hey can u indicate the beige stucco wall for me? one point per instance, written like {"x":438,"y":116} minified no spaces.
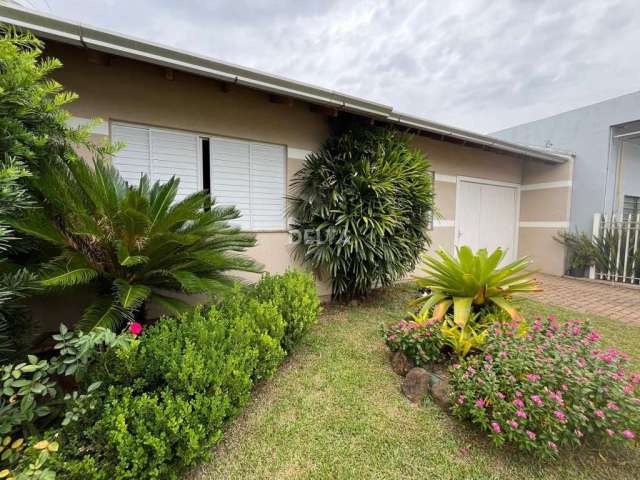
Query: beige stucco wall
{"x":131,"y":91}
{"x":545,"y":207}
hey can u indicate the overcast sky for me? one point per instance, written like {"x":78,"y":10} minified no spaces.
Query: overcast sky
{"x":477,"y":64}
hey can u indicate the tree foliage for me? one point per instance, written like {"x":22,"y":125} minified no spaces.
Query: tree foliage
{"x":362,"y":205}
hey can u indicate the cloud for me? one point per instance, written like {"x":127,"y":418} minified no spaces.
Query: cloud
{"x":482,"y":65}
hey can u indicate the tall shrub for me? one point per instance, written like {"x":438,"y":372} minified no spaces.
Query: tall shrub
{"x":33,"y":134}
{"x":362,"y":205}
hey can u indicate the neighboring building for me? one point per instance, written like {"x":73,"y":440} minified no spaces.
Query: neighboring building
{"x":605,"y":138}
{"x":244,"y":134}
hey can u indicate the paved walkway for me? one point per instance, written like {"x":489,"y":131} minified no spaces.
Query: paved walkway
{"x":616,"y":302}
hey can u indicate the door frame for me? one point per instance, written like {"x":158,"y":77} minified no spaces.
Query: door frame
{"x":484,"y":181}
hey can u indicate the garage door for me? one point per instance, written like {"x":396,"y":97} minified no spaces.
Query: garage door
{"x":486,"y":216}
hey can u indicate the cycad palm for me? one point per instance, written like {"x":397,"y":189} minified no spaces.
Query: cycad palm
{"x":135,"y":244}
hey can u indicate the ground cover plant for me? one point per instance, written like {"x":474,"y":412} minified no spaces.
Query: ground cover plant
{"x":362,"y":205}
{"x":555,"y":387}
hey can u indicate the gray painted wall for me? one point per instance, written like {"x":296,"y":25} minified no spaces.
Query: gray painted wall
{"x":587,"y":133}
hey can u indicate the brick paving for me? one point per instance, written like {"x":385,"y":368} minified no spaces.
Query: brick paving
{"x":620,"y":303}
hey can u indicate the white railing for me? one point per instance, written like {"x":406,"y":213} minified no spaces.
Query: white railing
{"x":617,"y":238}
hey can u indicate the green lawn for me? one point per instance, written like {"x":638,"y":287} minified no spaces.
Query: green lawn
{"x":334,"y":411}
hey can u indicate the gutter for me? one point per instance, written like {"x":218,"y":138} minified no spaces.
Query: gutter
{"x":75,"y":33}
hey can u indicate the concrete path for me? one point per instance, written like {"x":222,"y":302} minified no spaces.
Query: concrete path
{"x":620,"y":303}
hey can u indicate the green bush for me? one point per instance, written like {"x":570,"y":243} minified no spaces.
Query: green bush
{"x":362,"y":205}
{"x":421,"y":342}
{"x":170,"y":396}
{"x":295,"y":296}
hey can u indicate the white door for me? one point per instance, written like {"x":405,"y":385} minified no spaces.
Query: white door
{"x":486,"y":216}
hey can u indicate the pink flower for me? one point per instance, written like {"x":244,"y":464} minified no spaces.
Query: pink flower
{"x":628,"y":434}
{"x":635,"y":378}
{"x":135,"y":328}
{"x":612,"y":406}
{"x":480,"y":403}
{"x":560,"y":415}
{"x":579,"y":434}
{"x":553,"y":446}
{"x":456,"y":366}
{"x":512,"y":423}
{"x":531,"y":435}
{"x":533,"y":377}
{"x":518,"y":403}
{"x":461,"y":400}
{"x":593,"y":336}
{"x":496,"y":427}
{"x":392,"y":338}
{"x":500,"y":395}
{"x":521,"y":414}
{"x":518,"y":393}
{"x":488,"y":358}
{"x":599,"y":413}
{"x":502,"y":354}
{"x":537,"y":400}
{"x":610,"y":432}
{"x":565,"y":387}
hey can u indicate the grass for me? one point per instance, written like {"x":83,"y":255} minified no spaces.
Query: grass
{"x":334,"y":411}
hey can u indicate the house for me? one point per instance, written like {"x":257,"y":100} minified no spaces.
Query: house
{"x":605,"y":138}
{"x":243,"y":134}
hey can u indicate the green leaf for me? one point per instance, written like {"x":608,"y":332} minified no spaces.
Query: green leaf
{"x":131,"y":296}
{"x":78,"y":276}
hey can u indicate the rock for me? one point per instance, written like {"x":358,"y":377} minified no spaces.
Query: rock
{"x":400,"y":363}
{"x":440,"y":391}
{"x":416,"y":384}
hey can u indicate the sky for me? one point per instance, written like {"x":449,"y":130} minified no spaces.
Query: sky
{"x":482,"y":65}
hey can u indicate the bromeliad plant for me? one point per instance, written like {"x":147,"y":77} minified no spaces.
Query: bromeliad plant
{"x":132,"y":244}
{"x":468,"y":292}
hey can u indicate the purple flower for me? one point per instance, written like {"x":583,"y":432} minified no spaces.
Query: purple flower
{"x":628,"y":434}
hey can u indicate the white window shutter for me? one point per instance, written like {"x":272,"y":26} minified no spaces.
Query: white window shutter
{"x":160,"y":154}
{"x":176,"y":153}
{"x":230,"y":185}
{"x":267,"y":186}
{"x":134,"y":159}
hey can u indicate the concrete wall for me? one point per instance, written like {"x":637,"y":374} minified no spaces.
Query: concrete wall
{"x":587,"y":133}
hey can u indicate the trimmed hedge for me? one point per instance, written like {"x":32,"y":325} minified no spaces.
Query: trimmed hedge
{"x":295,"y":296}
{"x":169,"y":397}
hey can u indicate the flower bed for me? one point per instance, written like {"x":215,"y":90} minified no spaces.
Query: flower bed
{"x":550,"y":388}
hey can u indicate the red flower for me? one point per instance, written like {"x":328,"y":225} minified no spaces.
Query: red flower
{"x":135,"y":328}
